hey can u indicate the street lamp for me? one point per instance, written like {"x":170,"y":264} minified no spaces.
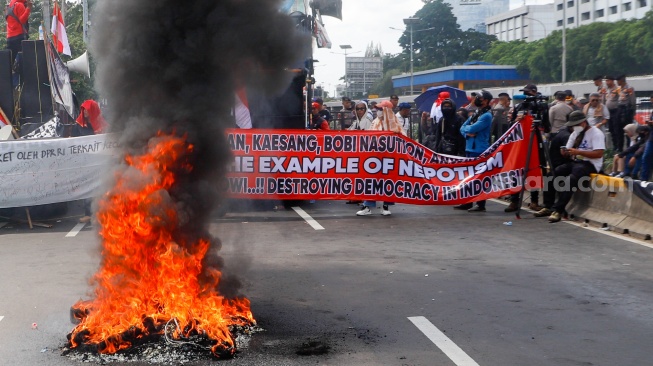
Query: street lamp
{"x":410,"y":22}
{"x":542,"y":24}
{"x":564,"y":42}
{"x":346,"y":47}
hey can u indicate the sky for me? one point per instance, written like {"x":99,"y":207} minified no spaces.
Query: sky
{"x":364,"y":22}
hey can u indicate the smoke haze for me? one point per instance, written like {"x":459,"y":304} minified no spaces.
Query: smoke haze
{"x":174,"y":66}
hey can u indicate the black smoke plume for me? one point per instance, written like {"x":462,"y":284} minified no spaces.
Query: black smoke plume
{"x":174,"y":66}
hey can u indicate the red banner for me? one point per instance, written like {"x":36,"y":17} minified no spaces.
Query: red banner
{"x":375,"y":165}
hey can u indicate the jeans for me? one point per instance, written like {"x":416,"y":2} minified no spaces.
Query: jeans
{"x":470,"y":154}
{"x":647,"y":161}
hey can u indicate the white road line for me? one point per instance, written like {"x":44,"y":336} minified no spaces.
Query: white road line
{"x":457,"y":355}
{"x":76,"y":230}
{"x":314,"y":224}
{"x":590,"y":228}
{"x":1,"y":317}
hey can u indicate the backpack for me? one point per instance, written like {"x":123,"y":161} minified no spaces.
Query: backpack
{"x":9,"y":12}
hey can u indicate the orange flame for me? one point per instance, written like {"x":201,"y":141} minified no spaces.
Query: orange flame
{"x":149,"y":276}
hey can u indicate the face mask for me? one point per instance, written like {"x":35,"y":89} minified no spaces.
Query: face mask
{"x":578,"y":129}
{"x":379,"y":114}
{"x":478,"y":102}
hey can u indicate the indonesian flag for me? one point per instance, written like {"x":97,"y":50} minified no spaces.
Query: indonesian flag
{"x":59,"y":37}
{"x":241,"y":109}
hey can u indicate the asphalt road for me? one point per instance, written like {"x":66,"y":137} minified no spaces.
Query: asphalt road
{"x":531,"y":294}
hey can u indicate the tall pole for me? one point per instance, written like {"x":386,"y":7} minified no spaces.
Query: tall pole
{"x":411,"y":59}
{"x":564,"y":42}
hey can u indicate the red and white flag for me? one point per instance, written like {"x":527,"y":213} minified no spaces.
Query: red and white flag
{"x":59,"y":37}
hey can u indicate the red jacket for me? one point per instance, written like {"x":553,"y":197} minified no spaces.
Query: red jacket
{"x":14,"y":28}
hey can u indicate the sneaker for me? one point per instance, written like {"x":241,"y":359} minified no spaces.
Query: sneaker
{"x":534,"y":206}
{"x":543,"y":212}
{"x":476,"y":209}
{"x":620,"y":175}
{"x":386,"y":211}
{"x":85,"y":219}
{"x":364,"y":212}
{"x":512,"y":207}
{"x":465,"y":206}
{"x":555,"y":217}
{"x":613,"y":174}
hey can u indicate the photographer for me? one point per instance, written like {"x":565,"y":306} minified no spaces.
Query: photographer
{"x":535,"y":105}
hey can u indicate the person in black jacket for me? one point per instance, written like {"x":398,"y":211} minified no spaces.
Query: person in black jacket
{"x":447,"y":131}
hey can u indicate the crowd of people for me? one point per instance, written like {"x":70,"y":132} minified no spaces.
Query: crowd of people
{"x":575,"y":133}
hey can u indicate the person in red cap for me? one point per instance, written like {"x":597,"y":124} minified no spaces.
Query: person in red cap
{"x":317,"y":121}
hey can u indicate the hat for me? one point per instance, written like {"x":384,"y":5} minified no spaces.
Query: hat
{"x":385,"y":104}
{"x":576,"y":118}
{"x":318,"y":100}
{"x":484,"y":94}
{"x":569,"y":93}
{"x":505,"y":95}
{"x":530,"y":88}
{"x":404,"y":105}
{"x":346,"y":99}
{"x":619,"y":77}
{"x":583,"y":101}
{"x":316,"y":105}
{"x":597,"y":77}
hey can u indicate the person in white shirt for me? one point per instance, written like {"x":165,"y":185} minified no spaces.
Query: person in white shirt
{"x":403,"y":117}
{"x":585,"y":147}
{"x":597,"y":113}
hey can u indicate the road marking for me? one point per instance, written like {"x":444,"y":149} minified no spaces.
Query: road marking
{"x":1,"y":317}
{"x":314,"y":224}
{"x":457,"y":355}
{"x":2,"y":224}
{"x":596,"y":230}
{"x":76,"y":230}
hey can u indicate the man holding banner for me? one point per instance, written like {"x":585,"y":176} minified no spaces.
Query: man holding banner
{"x":476,"y":131}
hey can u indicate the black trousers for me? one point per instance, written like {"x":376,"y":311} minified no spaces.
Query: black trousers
{"x":616,"y":133}
{"x":572,"y":173}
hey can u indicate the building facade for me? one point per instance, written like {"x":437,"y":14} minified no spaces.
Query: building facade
{"x":361,"y":73}
{"x":575,"y":13}
{"x":472,"y":13}
{"x":526,"y":23}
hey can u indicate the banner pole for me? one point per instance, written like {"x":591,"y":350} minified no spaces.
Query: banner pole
{"x":526,"y":169}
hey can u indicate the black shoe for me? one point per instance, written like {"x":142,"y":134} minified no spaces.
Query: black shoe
{"x":476,"y":209}
{"x":465,"y":206}
{"x":512,"y":207}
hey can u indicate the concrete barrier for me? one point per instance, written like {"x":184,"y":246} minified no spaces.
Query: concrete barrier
{"x":613,"y":205}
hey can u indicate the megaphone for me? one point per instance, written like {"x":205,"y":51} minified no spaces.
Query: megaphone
{"x":80,"y":64}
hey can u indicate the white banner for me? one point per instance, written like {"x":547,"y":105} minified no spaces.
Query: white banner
{"x":37,"y":172}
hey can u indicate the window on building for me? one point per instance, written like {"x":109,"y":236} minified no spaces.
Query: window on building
{"x":570,"y":3}
{"x":559,"y":23}
{"x":641,"y":3}
{"x":626,"y":6}
{"x":613,"y":9}
{"x":570,"y":20}
{"x":559,"y":7}
{"x":598,"y":13}
{"x":585,"y":16}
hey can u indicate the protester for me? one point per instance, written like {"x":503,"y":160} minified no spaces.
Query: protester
{"x":628,"y":162}
{"x":612,"y":102}
{"x":626,"y":109}
{"x":17,"y":15}
{"x":403,"y":116}
{"x":317,"y":122}
{"x":385,"y":121}
{"x":585,"y":146}
{"x":394,"y":99}
{"x":436,"y":112}
{"x":89,"y":122}
{"x":362,"y":119}
{"x":324,"y":112}
{"x":558,"y":140}
{"x":647,"y":157}
{"x":346,"y":114}
{"x":500,"y":123}
{"x":476,"y":131}
{"x":448,"y":139}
